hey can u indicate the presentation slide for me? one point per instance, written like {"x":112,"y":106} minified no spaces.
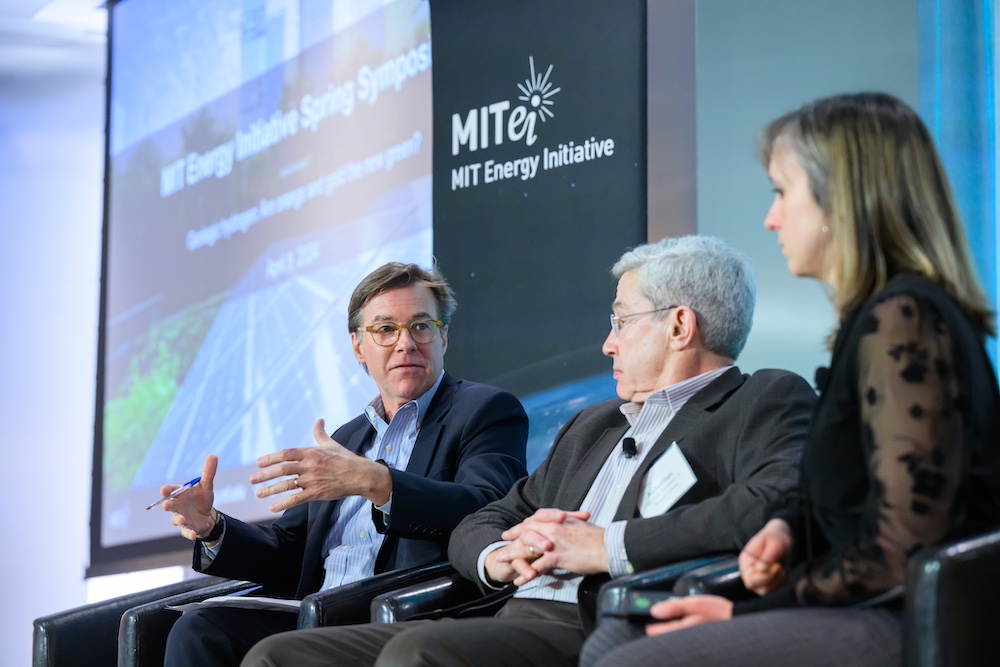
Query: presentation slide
{"x":263,"y":158}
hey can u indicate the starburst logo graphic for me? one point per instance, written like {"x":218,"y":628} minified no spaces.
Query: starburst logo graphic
{"x":506,"y":120}
{"x":537,"y":91}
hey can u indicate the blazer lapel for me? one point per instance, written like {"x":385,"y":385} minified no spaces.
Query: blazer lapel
{"x":585,"y":472}
{"x":430,"y":428}
{"x":323,"y":514}
{"x":689,"y":418}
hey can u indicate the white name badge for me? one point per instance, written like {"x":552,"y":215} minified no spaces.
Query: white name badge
{"x":666,"y":481}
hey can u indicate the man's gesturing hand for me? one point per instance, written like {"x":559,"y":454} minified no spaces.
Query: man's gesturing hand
{"x":191,"y":511}
{"x":327,"y":472}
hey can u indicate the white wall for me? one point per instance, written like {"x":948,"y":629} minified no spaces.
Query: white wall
{"x":51,"y":174}
{"x":758,"y":60}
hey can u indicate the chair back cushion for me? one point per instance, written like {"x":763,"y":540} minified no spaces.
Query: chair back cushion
{"x":953,"y":605}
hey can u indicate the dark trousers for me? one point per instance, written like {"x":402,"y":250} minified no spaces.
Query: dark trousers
{"x":221,"y":636}
{"x":524,"y":632}
{"x":814,"y":636}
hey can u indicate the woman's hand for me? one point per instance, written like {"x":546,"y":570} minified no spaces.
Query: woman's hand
{"x":686,"y":612}
{"x":762,"y":559}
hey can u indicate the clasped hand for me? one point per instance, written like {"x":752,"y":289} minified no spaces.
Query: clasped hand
{"x":549,"y":539}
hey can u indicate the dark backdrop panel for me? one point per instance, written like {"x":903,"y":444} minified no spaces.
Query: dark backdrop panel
{"x":529,"y":253}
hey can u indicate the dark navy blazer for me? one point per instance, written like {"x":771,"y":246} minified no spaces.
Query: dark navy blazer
{"x":469,"y":451}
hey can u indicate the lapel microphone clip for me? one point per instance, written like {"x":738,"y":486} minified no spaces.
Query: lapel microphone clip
{"x":628,"y":447}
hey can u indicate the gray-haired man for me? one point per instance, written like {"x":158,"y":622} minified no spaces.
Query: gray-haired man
{"x":684,"y":464}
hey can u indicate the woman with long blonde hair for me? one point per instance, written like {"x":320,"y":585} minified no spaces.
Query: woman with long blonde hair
{"x":904,"y":445}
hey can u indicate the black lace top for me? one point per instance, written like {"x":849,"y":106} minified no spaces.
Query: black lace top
{"x":903,"y":450}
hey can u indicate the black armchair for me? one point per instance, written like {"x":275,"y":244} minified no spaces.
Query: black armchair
{"x":449,"y":595}
{"x":142,"y":629}
{"x":131,"y":631}
{"x":88,"y":635}
{"x":453,"y":596}
{"x":352,"y":603}
{"x":613,"y":599}
{"x":951,"y":605}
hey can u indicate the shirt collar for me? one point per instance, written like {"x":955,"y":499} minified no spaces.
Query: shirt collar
{"x":675,"y":396}
{"x":375,"y":412}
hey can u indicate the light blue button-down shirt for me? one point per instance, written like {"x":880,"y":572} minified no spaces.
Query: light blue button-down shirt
{"x":353,"y":542}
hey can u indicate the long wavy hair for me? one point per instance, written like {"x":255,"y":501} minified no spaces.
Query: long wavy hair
{"x":874,"y":170}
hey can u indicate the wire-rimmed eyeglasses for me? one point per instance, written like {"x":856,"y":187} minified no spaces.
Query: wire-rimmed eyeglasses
{"x":618,"y":320}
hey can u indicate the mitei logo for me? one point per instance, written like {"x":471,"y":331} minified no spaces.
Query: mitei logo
{"x":474,"y":131}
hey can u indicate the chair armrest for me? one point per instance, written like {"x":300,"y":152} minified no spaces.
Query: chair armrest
{"x":448,"y":596}
{"x":612,"y":600}
{"x":719,"y":578}
{"x":952,"y":603}
{"x":142,"y":634}
{"x":58,"y":637}
{"x":351,"y":603}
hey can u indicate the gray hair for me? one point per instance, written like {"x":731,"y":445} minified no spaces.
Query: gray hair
{"x":705,"y":274}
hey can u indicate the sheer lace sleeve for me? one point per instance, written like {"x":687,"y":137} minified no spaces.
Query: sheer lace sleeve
{"x":912,"y":435}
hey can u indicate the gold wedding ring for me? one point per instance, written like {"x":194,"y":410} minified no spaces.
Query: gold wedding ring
{"x":296,"y":483}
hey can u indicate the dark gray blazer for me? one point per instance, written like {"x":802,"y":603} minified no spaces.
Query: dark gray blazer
{"x":742,"y":436}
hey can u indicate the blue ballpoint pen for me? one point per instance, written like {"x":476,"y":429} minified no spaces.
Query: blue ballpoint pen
{"x":176,"y":492}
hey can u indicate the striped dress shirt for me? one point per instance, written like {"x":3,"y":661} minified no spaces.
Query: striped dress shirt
{"x":647,"y":422}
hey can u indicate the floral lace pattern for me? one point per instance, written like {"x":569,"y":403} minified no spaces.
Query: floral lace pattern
{"x":912,"y":438}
